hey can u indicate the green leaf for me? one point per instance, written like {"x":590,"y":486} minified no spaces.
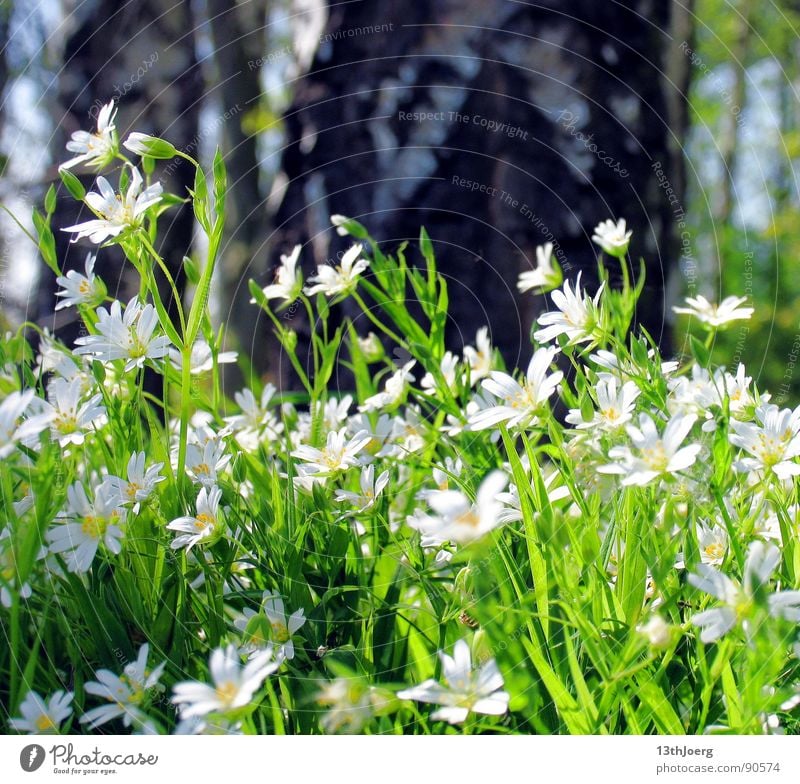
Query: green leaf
{"x":72,"y":184}
{"x":47,"y":242}
{"x":50,"y":200}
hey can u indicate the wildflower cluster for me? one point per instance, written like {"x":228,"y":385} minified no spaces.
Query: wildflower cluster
{"x":435,"y":548}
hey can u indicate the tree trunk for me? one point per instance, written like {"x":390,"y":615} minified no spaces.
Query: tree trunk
{"x":538,"y":124}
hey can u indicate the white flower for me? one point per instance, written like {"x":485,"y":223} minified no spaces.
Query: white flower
{"x":125,"y":693}
{"x":545,"y":276}
{"x":713,"y":543}
{"x":332,"y":280}
{"x":140,"y":482}
{"x":521,"y":403}
{"x":653,"y":456}
{"x":393,"y":390}
{"x":80,"y":289}
{"x":578,"y":316}
{"x":282,"y":627}
{"x":94,"y":522}
{"x":479,"y":358}
{"x":773,"y":443}
{"x":256,"y":421}
{"x":116,"y":214}
{"x":739,"y":598}
{"x":448,"y":367}
{"x":371,"y":488}
{"x":351,"y":704}
{"x":288,"y":279}
{"x":460,"y":520}
{"x":205,"y":461}
{"x":612,"y":237}
{"x":657,"y":631}
{"x":9,"y":573}
{"x":737,"y":390}
{"x":233,"y":685}
{"x":338,"y":454}
{"x":716,"y":315}
{"x":205,"y":527}
{"x":338,"y":222}
{"x":465,"y":690}
{"x":202,"y":358}
{"x":69,"y":419}
{"x":40,"y":717}
{"x":95,"y":149}
{"x":129,"y":336}
{"x":615,"y":405}
{"x":12,"y":431}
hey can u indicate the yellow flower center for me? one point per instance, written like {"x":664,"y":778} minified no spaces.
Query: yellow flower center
{"x":715,"y":550}
{"x":280,"y":632}
{"x":656,"y":457}
{"x":132,"y":489}
{"x":204,"y":521}
{"x":94,"y":526}
{"x":45,"y":723}
{"x":469,"y":518}
{"x":226,"y":692}
{"x":66,"y":423}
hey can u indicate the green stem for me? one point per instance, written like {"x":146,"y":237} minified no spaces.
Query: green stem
{"x":378,"y":323}
{"x":154,"y":253}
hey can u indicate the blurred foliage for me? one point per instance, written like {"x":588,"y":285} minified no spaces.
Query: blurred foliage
{"x":752,"y":248}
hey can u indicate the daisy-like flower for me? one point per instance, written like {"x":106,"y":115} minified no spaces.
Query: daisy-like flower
{"x":255,"y":422}
{"x":129,"y":335}
{"x":653,"y":455}
{"x":68,"y":417}
{"x":202,"y":358}
{"x":615,"y":405}
{"x":126,"y":693}
{"x":714,"y":316}
{"x":612,"y":237}
{"x":393,"y":390}
{"x":331,"y":280}
{"x":772,"y":443}
{"x":80,"y":289}
{"x":282,"y":626}
{"x":466,"y":689}
{"x":93,"y":522}
{"x":737,"y":390}
{"x":739,"y":599}
{"x":519,"y":404}
{"x":457,"y":518}
{"x":288,"y":279}
{"x":713,"y":543}
{"x":205,"y":527}
{"x":233,"y":685}
{"x":116,"y":213}
{"x":350,"y":703}
{"x":479,"y":357}
{"x":577,"y":317}
{"x":141,"y":482}
{"x":371,"y":488}
{"x":448,"y":367}
{"x":43,"y":717}
{"x":338,"y":454}
{"x":12,"y":430}
{"x":95,"y":149}
{"x":205,"y":461}
{"x":546,"y":275}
